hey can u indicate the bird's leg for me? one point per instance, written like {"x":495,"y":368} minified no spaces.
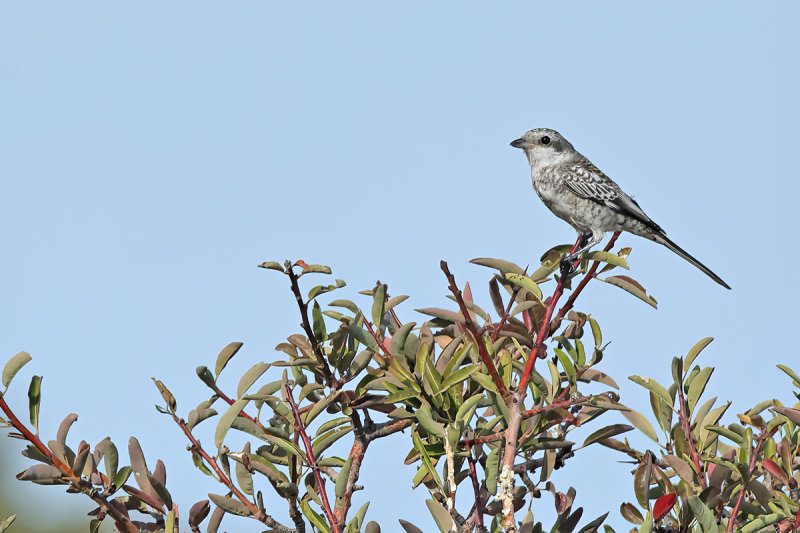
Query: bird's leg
{"x":587,"y":240}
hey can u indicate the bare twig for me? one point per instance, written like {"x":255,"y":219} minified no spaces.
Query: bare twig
{"x":487,"y":360}
{"x":326,"y":506}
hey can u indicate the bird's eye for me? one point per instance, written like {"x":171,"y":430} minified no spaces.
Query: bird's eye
{"x":545,"y":140}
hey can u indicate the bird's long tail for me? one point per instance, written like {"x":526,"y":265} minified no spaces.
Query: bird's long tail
{"x":663,"y":239}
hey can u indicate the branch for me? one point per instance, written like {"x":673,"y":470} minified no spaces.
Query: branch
{"x":326,"y":506}
{"x":544,"y":328}
{"x":326,"y":371}
{"x":687,"y":430}
{"x":356,"y":457}
{"x":473,"y":474}
{"x":476,"y":335}
{"x":762,"y":439}
{"x":574,"y":296}
{"x":121,"y":520}
{"x":386,"y":428}
{"x":505,"y":481}
{"x":223,"y":478}
{"x":525,"y":415}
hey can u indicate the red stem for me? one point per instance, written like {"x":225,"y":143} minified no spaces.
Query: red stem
{"x":120,"y":520}
{"x":753,"y":456}
{"x":473,"y":474}
{"x":476,"y":335}
{"x":589,"y":275}
{"x":544,"y":328}
{"x":326,"y":506}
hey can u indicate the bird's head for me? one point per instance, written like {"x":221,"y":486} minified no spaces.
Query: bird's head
{"x":544,"y":145}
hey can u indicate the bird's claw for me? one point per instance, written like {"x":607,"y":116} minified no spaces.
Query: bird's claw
{"x":567,"y":265}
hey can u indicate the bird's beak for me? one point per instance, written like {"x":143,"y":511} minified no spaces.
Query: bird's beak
{"x":519,"y":143}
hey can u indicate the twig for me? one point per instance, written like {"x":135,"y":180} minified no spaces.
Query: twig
{"x":356,"y":457}
{"x":574,"y":296}
{"x":386,"y":428}
{"x":544,"y":328}
{"x":525,"y":415}
{"x":326,"y":371}
{"x":473,"y":474}
{"x":326,"y":506}
{"x":505,"y":480}
{"x":687,"y":430}
{"x":121,"y":520}
{"x":762,"y":439}
{"x":375,"y":336}
{"x":476,"y":335}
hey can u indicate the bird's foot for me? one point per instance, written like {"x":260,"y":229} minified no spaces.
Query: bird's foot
{"x":567,"y":265}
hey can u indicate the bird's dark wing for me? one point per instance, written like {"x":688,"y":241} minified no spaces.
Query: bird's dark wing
{"x":588,"y":181}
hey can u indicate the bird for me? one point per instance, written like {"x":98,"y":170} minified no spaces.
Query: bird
{"x":578,"y":192}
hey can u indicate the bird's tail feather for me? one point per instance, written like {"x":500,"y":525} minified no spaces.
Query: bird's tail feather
{"x":663,"y":239}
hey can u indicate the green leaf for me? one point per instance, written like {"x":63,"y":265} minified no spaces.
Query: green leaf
{"x":243,"y":476}
{"x":314,"y":517}
{"x":444,"y":314}
{"x":230,"y":505}
{"x":318,"y":325}
{"x":654,"y":387}
{"x":498,"y":264}
{"x":341,"y":481}
{"x":322,"y":289}
{"x":641,"y":423}
{"x":697,"y":386}
{"x":526,"y":283}
{"x":378,"y":304}
{"x":458,"y":376}
{"x":632,"y":286}
{"x":34,"y":400}
{"x":347,"y":304}
{"x":467,"y":409}
{"x":363,"y":337}
{"x":250,"y":377}
{"x":225,"y":356}
{"x":440,"y":515}
{"x":425,"y":419}
{"x":13,"y":366}
{"x":272,"y":265}
{"x":7,"y":523}
{"x":227,"y":419}
{"x":757,"y":524}
{"x":606,"y":432}
{"x":725,"y":432}
{"x":426,"y":459}
{"x":326,"y":440}
{"x":608,"y":257}
{"x":492,"y":470}
{"x":695,"y":351}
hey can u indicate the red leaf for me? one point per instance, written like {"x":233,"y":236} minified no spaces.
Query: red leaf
{"x":663,"y":506}
{"x":776,"y":471}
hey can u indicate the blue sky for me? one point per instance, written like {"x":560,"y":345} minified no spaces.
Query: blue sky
{"x":152,"y":154}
